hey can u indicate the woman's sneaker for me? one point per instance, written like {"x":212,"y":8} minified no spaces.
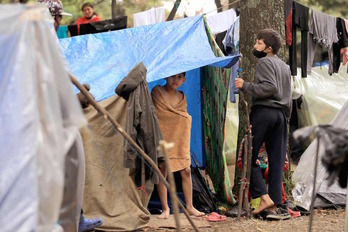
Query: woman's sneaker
{"x":279,"y":214}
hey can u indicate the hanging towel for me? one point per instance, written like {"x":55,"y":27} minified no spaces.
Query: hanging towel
{"x":221,"y":21}
{"x":322,"y":31}
{"x":175,"y":124}
{"x":154,"y":15}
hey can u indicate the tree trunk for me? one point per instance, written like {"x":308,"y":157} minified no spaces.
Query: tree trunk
{"x":254,"y":16}
{"x":173,"y":11}
{"x":113,"y":9}
{"x":218,"y":5}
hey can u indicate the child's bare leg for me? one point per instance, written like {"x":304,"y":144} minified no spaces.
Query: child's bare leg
{"x":266,"y":203}
{"x":186,"y":180}
{"x":162,"y":193}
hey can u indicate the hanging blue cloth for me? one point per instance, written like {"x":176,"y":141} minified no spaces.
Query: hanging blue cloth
{"x":62,"y":32}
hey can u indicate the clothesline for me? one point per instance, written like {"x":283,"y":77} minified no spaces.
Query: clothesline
{"x":232,"y":3}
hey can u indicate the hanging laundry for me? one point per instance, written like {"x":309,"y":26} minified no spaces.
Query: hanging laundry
{"x":98,"y":27}
{"x":341,"y":47}
{"x":221,"y":21}
{"x":154,"y":15}
{"x":288,"y":20}
{"x":231,"y":46}
{"x":231,"y":40}
{"x":62,"y":32}
{"x":300,"y":17}
{"x":322,"y":31}
{"x":104,"y":26}
{"x":73,"y":30}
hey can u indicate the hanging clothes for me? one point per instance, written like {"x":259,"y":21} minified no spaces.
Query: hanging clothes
{"x":231,"y":46}
{"x":154,"y":15}
{"x":300,"y":16}
{"x":322,"y":31}
{"x":288,"y":20}
{"x":62,"y":32}
{"x":341,"y":46}
{"x":142,"y":123}
{"x":344,"y":51}
{"x":104,"y":26}
{"x":221,"y":21}
{"x":73,"y":30}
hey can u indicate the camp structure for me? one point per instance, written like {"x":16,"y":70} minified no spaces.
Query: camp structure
{"x":320,"y":99}
{"x":41,"y":117}
{"x":103,"y":60}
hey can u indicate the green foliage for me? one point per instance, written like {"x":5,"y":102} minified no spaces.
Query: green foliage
{"x":337,"y":8}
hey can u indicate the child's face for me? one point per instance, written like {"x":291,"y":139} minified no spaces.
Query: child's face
{"x":88,"y":11}
{"x":260,"y":45}
{"x":176,"y":81}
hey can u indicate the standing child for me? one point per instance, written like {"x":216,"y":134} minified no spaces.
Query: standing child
{"x":175,"y":124}
{"x":270,"y":112}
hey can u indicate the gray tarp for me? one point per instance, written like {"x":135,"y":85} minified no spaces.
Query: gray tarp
{"x":304,"y":173}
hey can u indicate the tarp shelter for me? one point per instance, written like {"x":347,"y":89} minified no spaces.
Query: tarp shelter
{"x":40,"y":118}
{"x":324,"y":100}
{"x":104,"y":59}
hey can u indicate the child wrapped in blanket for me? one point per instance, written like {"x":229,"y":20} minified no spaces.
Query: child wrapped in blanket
{"x":175,"y":124}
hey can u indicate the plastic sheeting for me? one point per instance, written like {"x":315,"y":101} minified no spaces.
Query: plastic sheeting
{"x":39,"y":117}
{"x":323,"y":96}
{"x":168,"y":48}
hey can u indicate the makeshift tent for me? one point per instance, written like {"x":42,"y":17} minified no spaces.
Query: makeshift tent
{"x":322,"y":97}
{"x":39,"y":120}
{"x":104,"y":59}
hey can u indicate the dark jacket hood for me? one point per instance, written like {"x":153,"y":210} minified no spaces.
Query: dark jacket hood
{"x":131,"y":81}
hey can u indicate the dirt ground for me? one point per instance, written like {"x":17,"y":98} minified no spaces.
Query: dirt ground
{"x":324,"y":220}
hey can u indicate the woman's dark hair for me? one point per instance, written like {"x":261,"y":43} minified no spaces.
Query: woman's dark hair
{"x":271,"y":38}
{"x":88,"y":4}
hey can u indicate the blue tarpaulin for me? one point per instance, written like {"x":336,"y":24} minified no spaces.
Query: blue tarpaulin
{"x":168,"y":48}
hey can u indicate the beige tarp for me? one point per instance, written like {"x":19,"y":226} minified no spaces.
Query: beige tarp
{"x":109,"y":191}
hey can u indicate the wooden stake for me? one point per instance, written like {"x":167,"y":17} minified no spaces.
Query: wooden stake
{"x":164,"y":146}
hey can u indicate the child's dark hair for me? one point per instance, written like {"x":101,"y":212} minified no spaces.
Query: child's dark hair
{"x":271,"y":38}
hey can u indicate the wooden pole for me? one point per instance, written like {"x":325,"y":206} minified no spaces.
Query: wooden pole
{"x":242,"y":180}
{"x":164,"y":148}
{"x":346,"y":216}
{"x":248,"y":172}
{"x":173,"y":11}
{"x":314,"y":184}
{"x":118,"y":127}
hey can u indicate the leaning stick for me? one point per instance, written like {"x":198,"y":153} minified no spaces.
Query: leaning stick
{"x":242,"y":180}
{"x":248,"y":172}
{"x":314,"y":182}
{"x":164,"y":148}
{"x":118,"y":127}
